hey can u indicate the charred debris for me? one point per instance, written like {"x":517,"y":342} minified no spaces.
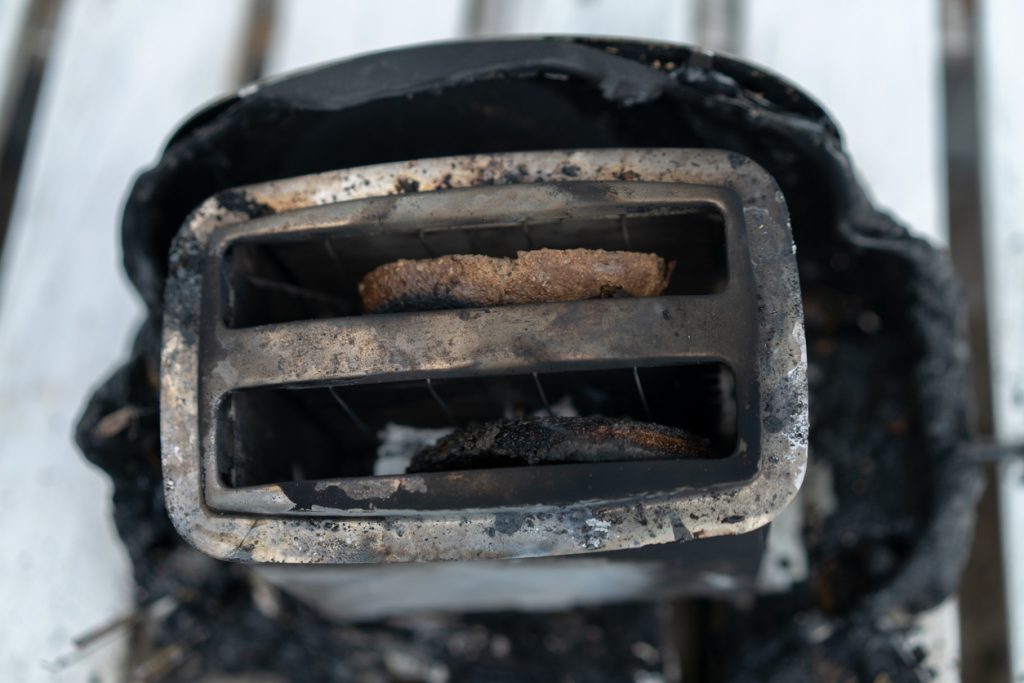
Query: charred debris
{"x":887,"y":365}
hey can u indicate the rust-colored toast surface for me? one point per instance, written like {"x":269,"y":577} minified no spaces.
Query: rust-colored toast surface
{"x":538,"y":276}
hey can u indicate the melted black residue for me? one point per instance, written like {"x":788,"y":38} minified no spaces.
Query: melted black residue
{"x":407,"y":185}
{"x":239,"y":200}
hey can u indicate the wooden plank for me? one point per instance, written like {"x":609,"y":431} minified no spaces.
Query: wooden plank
{"x":121,"y":74}
{"x":316,"y":31}
{"x":1001,"y":100}
{"x":12,"y":19}
{"x":876,"y":66}
{"x":673,"y":20}
{"x":24,"y":47}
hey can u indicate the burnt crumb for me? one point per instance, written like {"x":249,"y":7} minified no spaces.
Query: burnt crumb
{"x":404,"y":185}
{"x":508,"y":524}
{"x":738,"y":160}
{"x":571,"y":170}
{"x":240,"y":201}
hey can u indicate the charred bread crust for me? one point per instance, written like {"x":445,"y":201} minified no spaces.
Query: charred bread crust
{"x":538,"y":276}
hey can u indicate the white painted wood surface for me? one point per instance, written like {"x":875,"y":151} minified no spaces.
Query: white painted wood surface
{"x":122,"y":73}
{"x":314,"y":31}
{"x":1000,"y":80}
{"x":876,"y":65}
{"x":673,"y":20}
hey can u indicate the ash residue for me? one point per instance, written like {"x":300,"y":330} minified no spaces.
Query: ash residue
{"x":886,"y":353}
{"x":292,"y":642}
